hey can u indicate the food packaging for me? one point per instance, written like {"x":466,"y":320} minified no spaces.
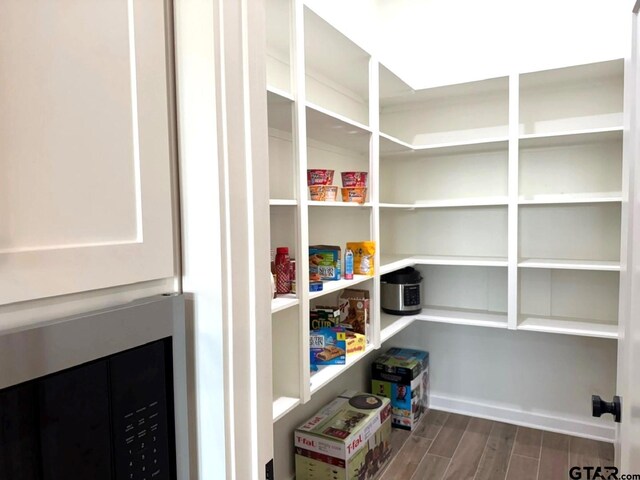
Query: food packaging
{"x":354,"y":179}
{"x":354,"y":310}
{"x":356,"y":343}
{"x":354,"y":194}
{"x":315,"y":286}
{"x":317,"y":176}
{"x":363,"y":257}
{"x":324,"y":317}
{"x":324,"y":262}
{"x":323,"y":193}
{"x":328,"y":346}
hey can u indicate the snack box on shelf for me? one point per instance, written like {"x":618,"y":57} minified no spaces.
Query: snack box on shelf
{"x":354,"y":310}
{"x":328,"y":346}
{"x":403,"y":376}
{"x":349,"y":439}
{"x":324,"y":262}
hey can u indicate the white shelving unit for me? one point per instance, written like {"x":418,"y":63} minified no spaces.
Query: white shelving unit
{"x":505,"y":193}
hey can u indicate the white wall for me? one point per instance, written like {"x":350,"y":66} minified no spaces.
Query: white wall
{"x":437,"y":42}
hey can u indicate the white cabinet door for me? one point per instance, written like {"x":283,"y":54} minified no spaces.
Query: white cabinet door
{"x":85,"y":172}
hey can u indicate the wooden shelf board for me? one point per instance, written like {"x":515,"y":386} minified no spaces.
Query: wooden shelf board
{"x":570,"y":198}
{"x":560,"y":264}
{"x":283,"y":405}
{"x":463,"y":317}
{"x":569,"y":326}
{"x":393,"y":324}
{"x":282,"y":202}
{"x":571,"y":137}
{"x":282,"y":302}
{"x":327,"y":373}
{"x":313,"y":203}
{"x":337,"y":285}
{"x":390,"y":263}
{"x":451,"y":203}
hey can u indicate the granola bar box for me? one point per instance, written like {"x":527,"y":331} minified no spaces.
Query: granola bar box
{"x":402,"y":375}
{"x":328,"y":346}
{"x":349,"y":439}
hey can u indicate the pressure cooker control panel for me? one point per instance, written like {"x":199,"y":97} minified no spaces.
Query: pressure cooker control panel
{"x":411,"y":295}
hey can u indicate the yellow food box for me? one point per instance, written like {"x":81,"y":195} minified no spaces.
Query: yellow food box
{"x":356,"y":343}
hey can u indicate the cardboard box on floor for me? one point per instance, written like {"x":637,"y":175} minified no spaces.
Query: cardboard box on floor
{"x":402,"y":375}
{"x":343,"y":441}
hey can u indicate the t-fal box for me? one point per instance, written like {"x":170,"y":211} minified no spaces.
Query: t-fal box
{"x":402,"y":375}
{"x":349,"y":439}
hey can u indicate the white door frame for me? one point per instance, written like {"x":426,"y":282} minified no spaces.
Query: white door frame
{"x":223,"y":149}
{"x":628,"y":437}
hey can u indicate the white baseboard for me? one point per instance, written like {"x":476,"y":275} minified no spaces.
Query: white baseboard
{"x":540,"y":421}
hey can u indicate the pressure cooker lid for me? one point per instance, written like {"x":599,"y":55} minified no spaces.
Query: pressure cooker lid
{"x":403,"y":276}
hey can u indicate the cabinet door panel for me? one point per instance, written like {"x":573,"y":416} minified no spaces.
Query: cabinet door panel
{"x":85,"y":189}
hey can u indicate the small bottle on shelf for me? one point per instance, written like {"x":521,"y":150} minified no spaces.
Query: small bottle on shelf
{"x":283,"y":270}
{"x":348,"y":264}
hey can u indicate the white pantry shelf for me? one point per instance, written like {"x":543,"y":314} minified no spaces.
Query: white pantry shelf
{"x":390,"y":263}
{"x":327,"y":373}
{"x":282,"y":202}
{"x":391,"y":147}
{"x":568,"y":326}
{"x":280,"y":93}
{"x":463,"y":317}
{"x":560,"y":264}
{"x":451,"y":203}
{"x":282,"y":302}
{"x":393,"y":324}
{"x":573,"y":137}
{"x":314,"y":203}
{"x":331,"y":286}
{"x":571,"y":198}
{"x":334,"y":129}
{"x":283,"y":405}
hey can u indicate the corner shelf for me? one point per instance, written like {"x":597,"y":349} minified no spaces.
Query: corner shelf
{"x":282,"y":202}
{"x":569,"y":326}
{"x":463,"y":317}
{"x":590,"y":135}
{"x":451,"y":203}
{"x":283,"y":405}
{"x":391,"y":147}
{"x":393,"y":324}
{"x":282,"y":302}
{"x":560,"y":264}
{"x":390,"y":263}
{"x":571,"y":198}
{"x":313,"y":203}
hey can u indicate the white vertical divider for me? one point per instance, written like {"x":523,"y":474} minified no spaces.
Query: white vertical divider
{"x":300,"y":145}
{"x":514,"y":122}
{"x":374,"y":191}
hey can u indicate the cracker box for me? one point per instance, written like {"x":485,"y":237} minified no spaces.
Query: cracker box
{"x":328,"y":346}
{"x":402,"y":375}
{"x":349,"y":439}
{"x":354,"y":310}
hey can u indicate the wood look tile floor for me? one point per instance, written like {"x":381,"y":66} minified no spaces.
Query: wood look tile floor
{"x":448,"y":446}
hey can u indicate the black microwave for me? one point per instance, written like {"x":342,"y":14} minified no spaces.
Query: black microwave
{"x":109,"y":419}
